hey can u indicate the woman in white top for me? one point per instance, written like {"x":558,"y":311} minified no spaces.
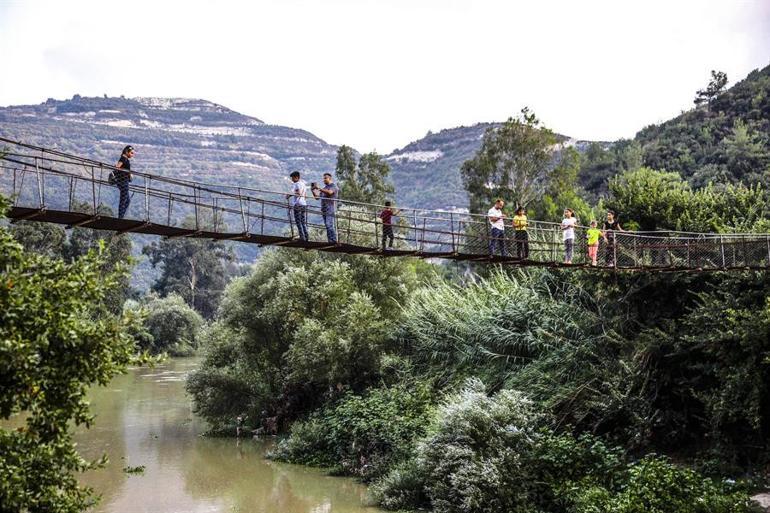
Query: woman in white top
{"x":568,"y":229}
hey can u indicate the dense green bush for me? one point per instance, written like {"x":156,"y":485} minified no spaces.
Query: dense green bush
{"x":488,"y":454}
{"x":655,"y":200}
{"x":170,"y":326}
{"x":300,"y":330}
{"x":494,"y":327}
{"x":654,"y":485}
{"x":361,"y":435}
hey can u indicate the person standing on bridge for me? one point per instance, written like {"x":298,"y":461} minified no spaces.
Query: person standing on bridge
{"x":298,"y":204}
{"x":568,"y":229}
{"x":123,"y":178}
{"x":329,"y":194}
{"x":386,"y":215}
{"x":497,"y":228}
{"x":609,"y":229}
{"x":592,"y":241}
{"x":520,"y":234}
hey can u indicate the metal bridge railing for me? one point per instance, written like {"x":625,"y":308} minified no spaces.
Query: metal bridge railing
{"x":41,"y":181}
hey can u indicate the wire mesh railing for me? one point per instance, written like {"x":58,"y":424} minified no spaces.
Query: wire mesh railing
{"x":46,"y":184}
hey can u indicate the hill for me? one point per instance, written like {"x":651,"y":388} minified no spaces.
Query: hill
{"x":426,"y":172}
{"x":727,"y":140}
{"x":185,"y":138}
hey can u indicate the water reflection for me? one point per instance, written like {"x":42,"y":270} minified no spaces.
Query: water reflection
{"x":144,"y":418}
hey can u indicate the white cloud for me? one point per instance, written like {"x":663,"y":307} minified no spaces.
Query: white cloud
{"x":378,"y":74}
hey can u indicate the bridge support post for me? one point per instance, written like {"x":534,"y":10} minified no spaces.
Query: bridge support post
{"x":147,"y":180}
{"x":376,"y":241}
{"x":262,"y":220}
{"x":288,"y":214}
{"x":767,"y":239}
{"x":93,"y":191}
{"x":422,"y":242}
{"x":722,"y":250}
{"x":195,"y":207}
{"x":71,"y":198}
{"x":40,"y":195}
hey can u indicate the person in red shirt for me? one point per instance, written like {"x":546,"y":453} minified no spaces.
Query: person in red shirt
{"x":386,"y":215}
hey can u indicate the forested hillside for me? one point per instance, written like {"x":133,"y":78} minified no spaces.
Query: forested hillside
{"x":724,"y":139}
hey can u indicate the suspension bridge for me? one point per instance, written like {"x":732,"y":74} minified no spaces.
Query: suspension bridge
{"x":52,"y":186}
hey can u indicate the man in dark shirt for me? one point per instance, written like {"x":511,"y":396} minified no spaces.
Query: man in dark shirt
{"x":122,"y":179}
{"x":387,"y":224}
{"x":329,"y":194}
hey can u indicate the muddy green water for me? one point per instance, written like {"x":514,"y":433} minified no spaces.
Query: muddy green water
{"x":145,"y":418}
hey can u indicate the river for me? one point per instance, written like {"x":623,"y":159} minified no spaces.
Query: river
{"x":144,"y":418}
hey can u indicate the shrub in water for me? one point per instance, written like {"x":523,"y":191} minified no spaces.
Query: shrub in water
{"x":361,"y":435}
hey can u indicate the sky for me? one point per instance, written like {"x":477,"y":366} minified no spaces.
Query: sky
{"x":377,"y":75}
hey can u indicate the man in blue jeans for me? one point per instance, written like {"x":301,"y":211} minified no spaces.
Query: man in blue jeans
{"x":497,"y":228}
{"x":329,"y":194}
{"x":298,"y":204}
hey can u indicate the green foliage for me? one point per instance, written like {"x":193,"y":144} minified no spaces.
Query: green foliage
{"x":51,"y":240}
{"x":194,"y":269}
{"x":57,"y":340}
{"x":302,"y":327}
{"x":494,"y":327}
{"x":654,"y":485}
{"x":562,"y":192}
{"x":513,"y":163}
{"x":42,"y":238}
{"x":707,"y":372}
{"x":368,"y":182}
{"x":472,"y":461}
{"x":715,"y":88}
{"x":488,"y":454}
{"x":361,"y":435}
{"x":599,"y":164}
{"x":725,"y":143}
{"x":170,"y":326}
{"x":655,"y":200}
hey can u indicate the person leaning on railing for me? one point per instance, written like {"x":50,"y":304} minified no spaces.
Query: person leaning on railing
{"x":520,"y":234}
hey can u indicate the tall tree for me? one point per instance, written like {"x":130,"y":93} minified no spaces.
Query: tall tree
{"x":194,"y":269}
{"x":715,"y":88}
{"x":513,"y":162}
{"x":368,"y":182}
{"x":346,"y":163}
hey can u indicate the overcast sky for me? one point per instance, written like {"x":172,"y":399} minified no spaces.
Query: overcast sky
{"x":378,"y":74}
